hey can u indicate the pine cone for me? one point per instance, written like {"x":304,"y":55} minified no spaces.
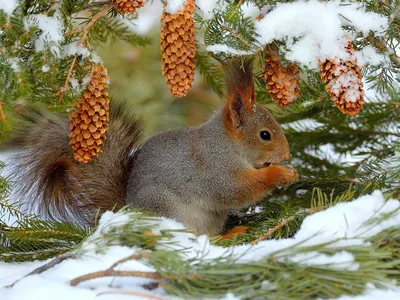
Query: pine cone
{"x":89,"y":121}
{"x":127,"y":6}
{"x":343,"y":81}
{"x":178,"y":49}
{"x":282,"y":82}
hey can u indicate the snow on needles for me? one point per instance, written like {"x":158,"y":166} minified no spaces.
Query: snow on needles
{"x":344,"y":224}
{"x":313,"y":30}
{"x":207,"y":7}
{"x":8,"y":6}
{"x":226,"y":49}
{"x":52,"y":30}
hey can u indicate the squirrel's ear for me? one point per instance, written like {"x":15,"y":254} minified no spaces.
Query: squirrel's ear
{"x":240,"y":96}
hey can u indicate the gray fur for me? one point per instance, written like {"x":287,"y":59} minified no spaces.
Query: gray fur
{"x":189,"y":174}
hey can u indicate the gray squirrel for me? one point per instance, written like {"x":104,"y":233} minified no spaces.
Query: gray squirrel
{"x":194,"y":175}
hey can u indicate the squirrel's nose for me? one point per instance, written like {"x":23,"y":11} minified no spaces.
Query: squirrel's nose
{"x":286,"y":156}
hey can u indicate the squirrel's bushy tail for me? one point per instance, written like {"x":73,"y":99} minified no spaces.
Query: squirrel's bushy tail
{"x":51,"y":183}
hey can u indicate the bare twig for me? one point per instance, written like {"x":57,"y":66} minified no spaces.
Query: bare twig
{"x":110,"y":272}
{"x":45,"y":267}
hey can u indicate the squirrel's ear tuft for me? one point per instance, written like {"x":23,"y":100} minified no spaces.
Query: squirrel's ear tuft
{"x":240,"y":95}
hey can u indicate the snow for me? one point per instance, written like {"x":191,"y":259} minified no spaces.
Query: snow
{"x":14,"y":64}
{"x":340,"y":260}
{"x":392,"y":293}
{"x":313,"y":30}
{"x":368,"y":55}
{"x":45,"y":68}
{"x":207,"y":7}
{"x":52,"y":28}
{"x":250,"y":10}
{"x":173,"y":6}
{"x":75,"y":49}
{"x":344,"y":224}
{"x":218,"y":48}
{"x":145,"y":19}
{"x":347,"y":81}
{"x":8,"y":6}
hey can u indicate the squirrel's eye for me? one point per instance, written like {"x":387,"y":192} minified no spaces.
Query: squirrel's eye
{"x":265,"y":135}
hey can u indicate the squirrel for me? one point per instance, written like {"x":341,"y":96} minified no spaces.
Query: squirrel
{"x":195,"y":175}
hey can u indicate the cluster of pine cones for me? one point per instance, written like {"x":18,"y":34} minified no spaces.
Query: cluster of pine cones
{"x":342,"y":78}
{"x":89,"y":121}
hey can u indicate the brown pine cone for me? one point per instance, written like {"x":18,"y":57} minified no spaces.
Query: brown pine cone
{"x":89,"y":121}
{"x":343,"y":81}
{"x":282,"y":82}
{"x":127,"y":6}
{"x":178,"y":49}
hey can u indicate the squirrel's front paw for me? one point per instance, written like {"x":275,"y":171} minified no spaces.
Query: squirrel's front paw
{"x":283,"y":175}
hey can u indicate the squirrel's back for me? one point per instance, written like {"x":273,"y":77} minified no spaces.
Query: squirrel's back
{"x":179,"y":174}
{"x":51,"y":183}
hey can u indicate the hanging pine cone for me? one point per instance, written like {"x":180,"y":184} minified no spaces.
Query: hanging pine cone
{"x":127,"y":6}
{"x":178,"y":49}
{"x":343,"y":81}
{"x":89,"y":121}
{"x":282,"y":82}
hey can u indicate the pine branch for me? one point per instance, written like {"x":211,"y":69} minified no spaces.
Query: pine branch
{"x":83,"y":39}
{"x":211,"y":73}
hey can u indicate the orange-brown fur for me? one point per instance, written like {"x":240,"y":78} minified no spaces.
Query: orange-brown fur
{"x":258,"y":182}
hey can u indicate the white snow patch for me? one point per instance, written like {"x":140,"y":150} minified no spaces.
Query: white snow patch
{"x":250,"y":10}
{"x":75,"y":49}
{"x":173,"y":6}
{"x":218,"y":48}
{"x":45,"y":68}
{"x":52,"y":30}
{"x":313,"y":30}
{"x":368,"y":55}
{"x":340,"y":260}
{"x":372,"y":293}
{"x":14,"y":64}
{"x":8,"y":6}
{"x":74,"y":83}
{"x":347,"y":81}
{"x":207,"y":7}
